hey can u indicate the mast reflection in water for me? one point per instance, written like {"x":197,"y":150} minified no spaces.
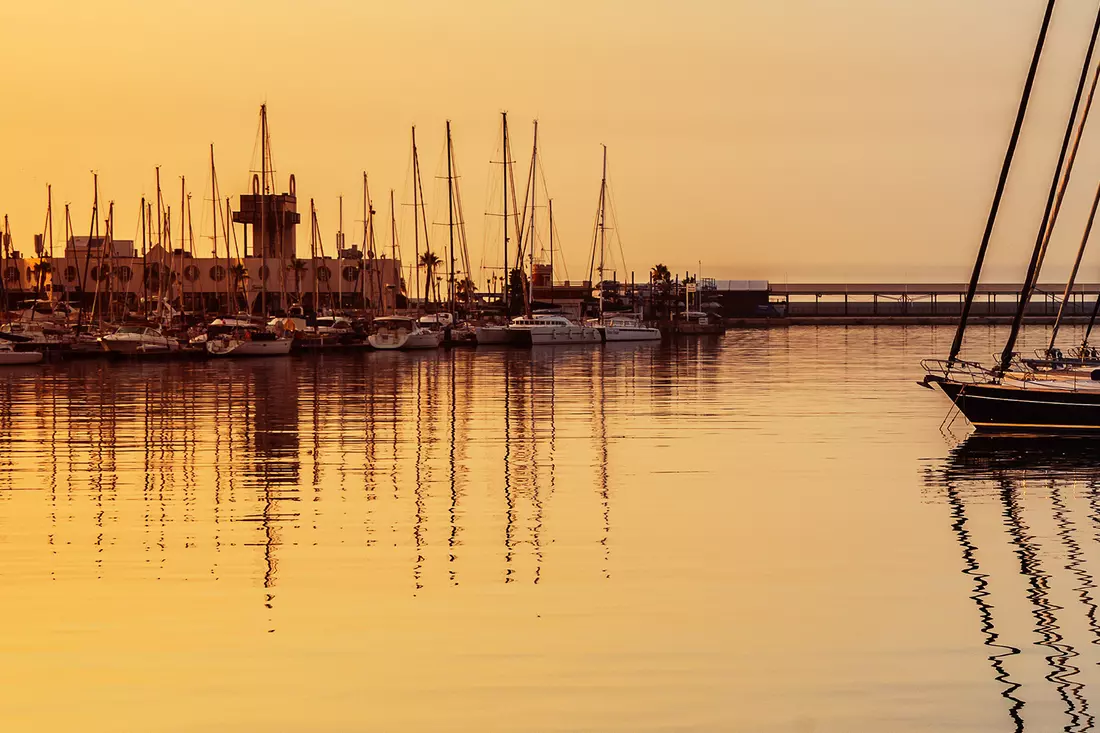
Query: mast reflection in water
{"x":285,"y":469}
{"x":1025,"y":512}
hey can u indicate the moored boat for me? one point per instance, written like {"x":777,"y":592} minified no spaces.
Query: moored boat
{"x":137,"y":340}
{"x":626,"y":328}
{"x":491,"y":335}
{"x":401,"y":332}
{"x":10,"y":357}
{"x":550,"y":330}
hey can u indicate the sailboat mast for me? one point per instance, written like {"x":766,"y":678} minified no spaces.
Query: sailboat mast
{"x":1054,"y":201}
{"x":93,"y":228}
{"x":504,"y":187}
{"x":263,"y":149}
{"x":603,"y":224}
{"x":534,"y":199}
{"x":393,"y":252}
{"x":550,"y":208}
{"x":450,"y":220}
{"x":1066,"y":295}
{"x":183,"y":246}
{"x":313,"y":251}
{"x":416,"y":214}
{"x":1010,"y":153}
{"x":160,"y":210}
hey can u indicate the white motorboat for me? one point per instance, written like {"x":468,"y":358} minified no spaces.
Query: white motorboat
{"x":550,"y":330}
{"x":626,"y":328}
{"x":138,"y":341}
{"x":436,"y":321}
{"x":399,"y":332}
{"x":10,"y":357}
{"x":248,"y":343}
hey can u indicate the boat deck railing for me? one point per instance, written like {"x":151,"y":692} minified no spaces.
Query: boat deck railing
{"x":965,"y":372}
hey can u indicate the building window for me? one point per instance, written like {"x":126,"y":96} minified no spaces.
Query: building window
{"x":70,"y":274}
{"x":263,"y":272}
{"x":323,"y":273}
{"x":191,"y":273}
{"x":217,"y":273}
{"x":11,"y":274}
{"x":351,"y":274}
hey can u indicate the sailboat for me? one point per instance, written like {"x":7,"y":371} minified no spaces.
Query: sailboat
{"x":617,"y":326}
{"x":1011,"y":396}
{"x":497,"y":334}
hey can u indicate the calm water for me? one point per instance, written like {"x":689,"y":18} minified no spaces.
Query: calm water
{"x":767,"y":532}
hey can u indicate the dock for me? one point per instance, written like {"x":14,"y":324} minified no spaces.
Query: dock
{"x":846,"y":304}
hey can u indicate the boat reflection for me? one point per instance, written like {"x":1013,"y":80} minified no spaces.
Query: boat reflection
{"x":414,"y":470}
{"x":1025,"y":513}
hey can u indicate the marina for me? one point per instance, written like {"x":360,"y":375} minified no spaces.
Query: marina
{"x":256,"y":297}
{"x":585,"y":368}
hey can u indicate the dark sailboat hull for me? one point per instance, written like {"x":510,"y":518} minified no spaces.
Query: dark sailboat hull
{"x":998,"y":408}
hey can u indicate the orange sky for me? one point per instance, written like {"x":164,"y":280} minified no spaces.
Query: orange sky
{"x":788,"y":139}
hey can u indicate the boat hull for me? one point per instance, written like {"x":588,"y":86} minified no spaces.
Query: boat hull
{"x":1004,"y":408}
{"x":128,"y":347}
{"x":394,"y":341}
{"x":235,"y":349}
{"x":630,"y":333}
{"x":493,"y":336}
{"x":19,"y":358}
{"x":555,"y":336}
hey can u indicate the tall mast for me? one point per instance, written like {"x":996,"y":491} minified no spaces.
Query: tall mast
{"x":68,"y":245}
{"x":374,"y":271}
{"x":1066,"y":294}
{"x":93,"y":228}
{"x":160,"y":210}
{"x":183,"y":245}
{"x":393,"y":251}
{"x":144,"y":247}
{"x":367,"y":249}
{"x":313,"y":252}
{"x":1058,"y":186}
{"x":450,"y":221}
{"x":504,"y":187}
{"x":550,"y":208}
{"x":603,"y":223}
{"x":416,"y":214}
{"x":214,"y":215}
{"x":1073,"y":274}
{"x":263,"y":149}
{"x":1021,"y":112}
{"x":533,"y":188}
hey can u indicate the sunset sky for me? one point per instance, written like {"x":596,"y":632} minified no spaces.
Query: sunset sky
{"x":791,"y":140}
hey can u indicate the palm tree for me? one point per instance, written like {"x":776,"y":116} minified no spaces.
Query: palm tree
{"x":40,"y":271}
{"x":298,"y":267}
{"x":660,"y":276}
{"x":429,"y":262}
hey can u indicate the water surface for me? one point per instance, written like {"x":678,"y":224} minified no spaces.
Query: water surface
{"x":764,"y":532}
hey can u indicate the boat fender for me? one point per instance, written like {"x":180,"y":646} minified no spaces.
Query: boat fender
{"x":1095,"y":375}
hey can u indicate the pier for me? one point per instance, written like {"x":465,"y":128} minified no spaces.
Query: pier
{"x":750,"y":304}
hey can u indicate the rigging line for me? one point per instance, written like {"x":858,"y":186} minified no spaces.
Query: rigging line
{"x":615,"y":229}
{"x":1054,"y":200}
{"x":1010,"y":153}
